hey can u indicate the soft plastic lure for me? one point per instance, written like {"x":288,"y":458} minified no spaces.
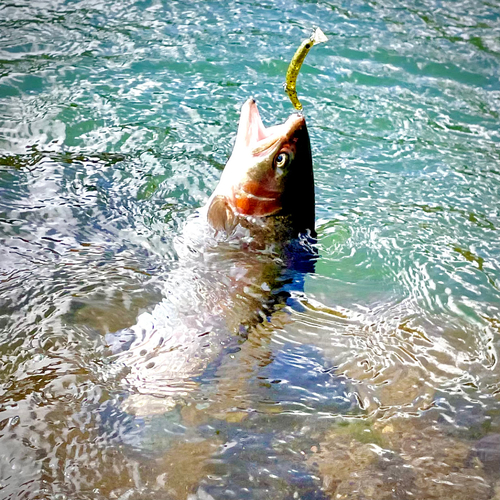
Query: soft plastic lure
{"x":293,"y":69}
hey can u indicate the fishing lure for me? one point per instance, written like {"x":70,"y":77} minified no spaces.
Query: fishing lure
{"x":295,"y":64}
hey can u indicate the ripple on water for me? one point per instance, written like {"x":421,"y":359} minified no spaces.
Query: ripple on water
{"x":377,"y":378}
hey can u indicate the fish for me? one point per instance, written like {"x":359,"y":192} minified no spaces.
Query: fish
{"x":296,"y":63}
{"x":240,"y":256}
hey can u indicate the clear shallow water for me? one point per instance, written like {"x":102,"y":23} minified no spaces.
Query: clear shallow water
{"x":115,"y":122}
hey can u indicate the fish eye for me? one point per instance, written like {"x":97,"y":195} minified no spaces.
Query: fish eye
{"x":281,"y":160}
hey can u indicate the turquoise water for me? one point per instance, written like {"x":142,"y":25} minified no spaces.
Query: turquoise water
{"x":116,"y":120}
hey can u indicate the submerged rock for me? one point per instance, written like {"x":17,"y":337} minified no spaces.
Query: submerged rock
{"x":487,"y":452}
{"x":406,"y":458}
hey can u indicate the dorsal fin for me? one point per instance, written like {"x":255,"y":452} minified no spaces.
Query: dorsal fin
{"x":220,"y":215}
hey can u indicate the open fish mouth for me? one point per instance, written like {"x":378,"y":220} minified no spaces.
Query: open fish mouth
{"x":253,"y":134}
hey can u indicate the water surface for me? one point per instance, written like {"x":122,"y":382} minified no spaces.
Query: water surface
{"x":116,"y":120}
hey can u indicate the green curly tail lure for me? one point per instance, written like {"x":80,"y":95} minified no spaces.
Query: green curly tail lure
{"x":294,"y":68}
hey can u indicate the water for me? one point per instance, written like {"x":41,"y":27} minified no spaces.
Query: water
{"x":382,"y":382}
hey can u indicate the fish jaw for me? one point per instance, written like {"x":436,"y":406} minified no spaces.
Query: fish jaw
{"x":255,"y":183}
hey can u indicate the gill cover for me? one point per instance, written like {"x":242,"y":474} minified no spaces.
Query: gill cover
{"x":269,"y":174}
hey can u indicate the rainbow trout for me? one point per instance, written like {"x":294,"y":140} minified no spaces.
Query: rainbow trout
{"x":239,"y":257}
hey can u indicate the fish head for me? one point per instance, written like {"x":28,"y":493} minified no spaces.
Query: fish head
{"x":268,"y":176}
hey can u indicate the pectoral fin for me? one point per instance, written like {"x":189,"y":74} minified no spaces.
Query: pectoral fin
{"x":220,"y":215}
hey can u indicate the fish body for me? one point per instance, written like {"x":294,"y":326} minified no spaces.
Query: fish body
{"x":238,"y":256}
